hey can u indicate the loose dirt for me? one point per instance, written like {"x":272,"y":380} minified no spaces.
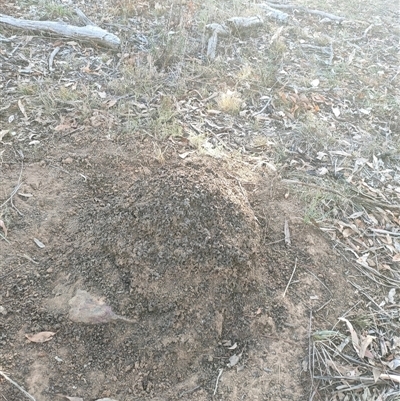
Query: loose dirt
{"x":191,"y":250}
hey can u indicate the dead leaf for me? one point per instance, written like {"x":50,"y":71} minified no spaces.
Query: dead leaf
{"x":184,"y":155}
{"x":363,"y":260}
{"x":396,"y":258}
{"x":234,"y":359}
{"x":354,"y":337}
{"x":355,"y":215}
{"x":391,"y":295}
{"x":347,"y":232}
{"x":394,"y":364}
{"x":22,"y":108}
{"x":41,"y":337}
{"x":3,"y":133}
{"x":364,"y":347}
{"x":111,"y":103}
{"x":38,"y":243}
{"x":343,"y":370}
{"x":376,"y":373}
{"x":3,"y":226}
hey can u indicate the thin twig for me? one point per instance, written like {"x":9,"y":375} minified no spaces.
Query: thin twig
{"x":291,"y":277}
{"x":216,"y":384}
{"x":330,"y":292}
{"x":379,"y":231}
{"x":274,"y":242}
{"x":310,"y":362}
{"x":189,"y":391}
{"x":15,"y":190}
{"x":17,"y":385}
{"x":4,"y":238}
{"x":323,"y":306}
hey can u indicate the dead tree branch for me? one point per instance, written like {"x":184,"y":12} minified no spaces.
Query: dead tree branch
{"x":86,"y":33}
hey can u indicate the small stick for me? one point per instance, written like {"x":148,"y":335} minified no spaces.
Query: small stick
{"x":291,"y":277}
{"x":15,"y":190}
{"x":287,"y":233}
{"x":216,"y":384}
{"x":51,"y":58}
{"x":189,"y":391}
{"x":323,"y":306}
{"x":330,"y":292}
{"x":17,"y":385}
{"x":310,"y":361}
{"x":4,"y":238}
{"x":274,"y":242}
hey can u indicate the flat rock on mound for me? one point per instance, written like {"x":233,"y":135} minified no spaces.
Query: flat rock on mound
{"x":178,"y":217}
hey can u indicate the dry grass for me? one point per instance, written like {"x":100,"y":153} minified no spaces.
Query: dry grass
{"x":229,"y":102}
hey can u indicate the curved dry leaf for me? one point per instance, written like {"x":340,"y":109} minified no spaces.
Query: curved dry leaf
{"x":41,"y":337}
{"x":354,"y":338}
{"x":364,"y":352}
{"x":3,"y":226}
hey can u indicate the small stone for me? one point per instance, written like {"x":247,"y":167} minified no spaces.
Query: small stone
{"x":3,"y":310}
{"x":68,"y":160}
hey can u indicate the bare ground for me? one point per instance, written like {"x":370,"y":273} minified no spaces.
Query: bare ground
{"x":185,"y":250}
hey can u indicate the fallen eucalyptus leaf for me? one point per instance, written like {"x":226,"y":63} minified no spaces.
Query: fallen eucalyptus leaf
{"x":3,"y":226}
{"x":38,"y":243}
{"x":87,"y":309}
{"x":41,"y":337}
{"x":391,"y":295}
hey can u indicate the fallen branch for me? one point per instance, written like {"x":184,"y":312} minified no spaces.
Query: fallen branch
{"x":86,"y":33}
{"x":307,"y":10}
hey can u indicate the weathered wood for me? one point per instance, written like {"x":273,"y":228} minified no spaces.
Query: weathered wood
{"x":307,"y":10}
{"x":86,"y":33}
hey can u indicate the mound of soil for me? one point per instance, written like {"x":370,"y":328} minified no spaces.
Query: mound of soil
{"x":179,"y":218}
{"x":192,"y":255}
